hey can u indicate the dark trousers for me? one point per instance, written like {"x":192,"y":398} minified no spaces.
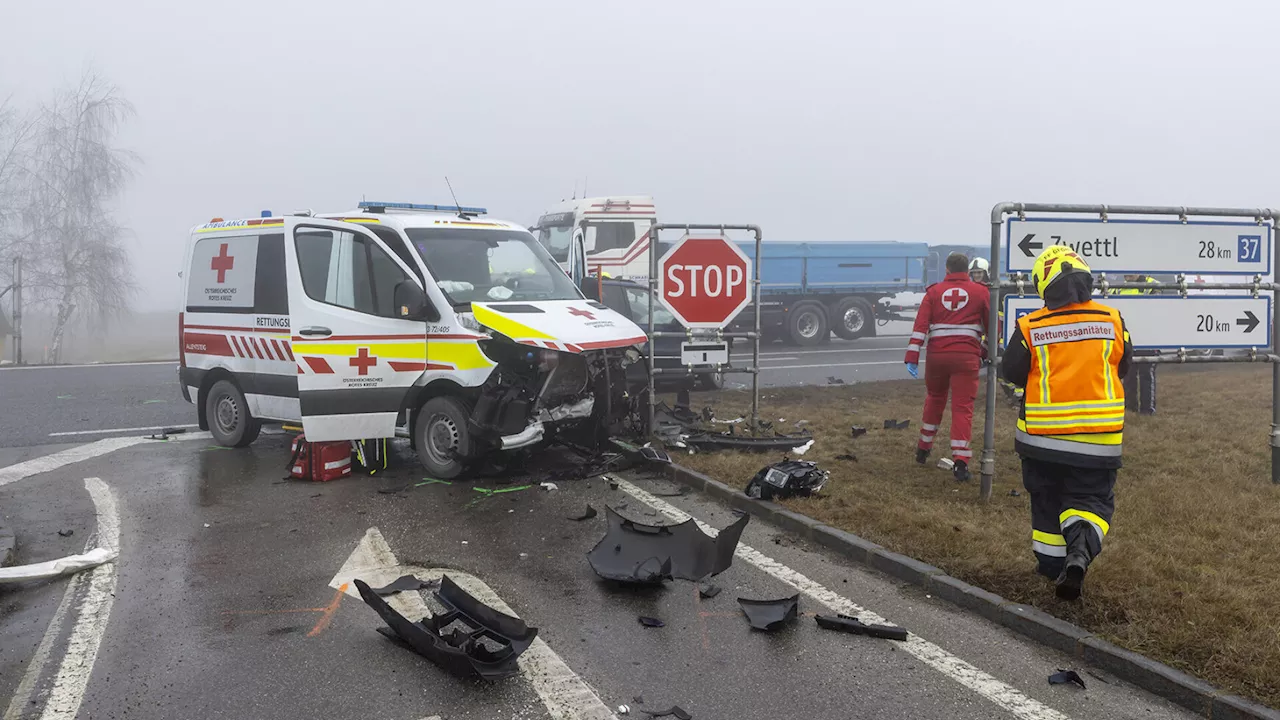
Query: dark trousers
{"x":1071,"y":510}
{"x":1140,"y":388}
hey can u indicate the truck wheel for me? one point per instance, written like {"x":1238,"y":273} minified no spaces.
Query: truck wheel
{"x":228,"y":413}
{"x":853,"y":318}
{"x":807,"y":325}
{"x":443,"y":438}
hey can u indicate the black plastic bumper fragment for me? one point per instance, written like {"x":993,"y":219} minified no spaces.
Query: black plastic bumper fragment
{"x":770,"y":614}
{"x":844,"y":623}
{"x":487,"y":648}
{"x":636,"y":553}
{"x":724,"y":441}
{"x":404,"y":583}
{"x":673,"y":711}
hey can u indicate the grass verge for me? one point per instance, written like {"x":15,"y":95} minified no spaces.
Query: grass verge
{"x":1190,"y":574}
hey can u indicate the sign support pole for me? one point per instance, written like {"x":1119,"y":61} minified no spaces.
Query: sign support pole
{"x":1259,"y":215}
{"x":1275,"y":366}
{"x":993,"y":340}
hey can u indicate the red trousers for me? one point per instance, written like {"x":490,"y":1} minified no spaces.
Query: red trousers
{"x":956,"y":373}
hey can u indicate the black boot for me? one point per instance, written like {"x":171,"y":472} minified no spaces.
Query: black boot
{"x":922,"y":456}
{"x":1071,"y":580}
{"x":961,"y":471}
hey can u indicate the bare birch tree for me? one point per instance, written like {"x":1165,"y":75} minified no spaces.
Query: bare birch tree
{"x":15,"y":136}
{"x":74,"y":171}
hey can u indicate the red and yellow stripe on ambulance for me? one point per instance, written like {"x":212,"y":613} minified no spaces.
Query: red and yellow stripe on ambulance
{"x":366,"y":360}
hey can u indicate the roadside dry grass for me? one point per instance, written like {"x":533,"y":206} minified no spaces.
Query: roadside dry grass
{"x":1191,"y":571}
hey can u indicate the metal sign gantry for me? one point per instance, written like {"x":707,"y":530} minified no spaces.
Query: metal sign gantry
{"x":1177,"y":245}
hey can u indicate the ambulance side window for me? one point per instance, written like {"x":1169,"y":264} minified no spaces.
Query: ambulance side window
{"x":343,"y":269}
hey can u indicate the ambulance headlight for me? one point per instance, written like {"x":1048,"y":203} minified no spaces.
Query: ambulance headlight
{"x":468,"y":321}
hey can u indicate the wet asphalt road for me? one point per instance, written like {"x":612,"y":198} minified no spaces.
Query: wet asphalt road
{"x":84,"y":403}
{"x":224,"y":607}
{"x":43,"y":405}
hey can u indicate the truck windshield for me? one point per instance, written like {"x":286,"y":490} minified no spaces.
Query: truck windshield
{"x":556,"y":240}
{"x":473,"y":265}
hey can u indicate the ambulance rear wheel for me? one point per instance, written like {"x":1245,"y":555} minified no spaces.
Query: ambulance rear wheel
{"x":228,"y":414}
{"x":443,"y":438}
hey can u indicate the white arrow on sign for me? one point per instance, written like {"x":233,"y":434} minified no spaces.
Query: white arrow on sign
{"x":1168,"y":322}
{"x":565,"y":695}
{"x":1144,"y":246}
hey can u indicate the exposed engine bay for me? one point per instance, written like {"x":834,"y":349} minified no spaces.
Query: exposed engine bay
{"x":536,"y":395}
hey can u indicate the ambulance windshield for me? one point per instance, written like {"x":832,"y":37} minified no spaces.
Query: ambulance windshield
{"x":475,"y":265}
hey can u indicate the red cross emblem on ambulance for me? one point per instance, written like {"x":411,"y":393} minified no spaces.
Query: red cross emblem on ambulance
{"x":955,"y":298}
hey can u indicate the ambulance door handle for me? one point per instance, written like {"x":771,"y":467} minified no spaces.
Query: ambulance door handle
{"x":315,"y":331}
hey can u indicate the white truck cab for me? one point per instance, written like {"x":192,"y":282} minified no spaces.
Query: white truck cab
{"x":396,"y":319}
{"x":591,"y":236}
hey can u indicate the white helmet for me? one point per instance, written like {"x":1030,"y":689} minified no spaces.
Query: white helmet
{"x":979,"y":264}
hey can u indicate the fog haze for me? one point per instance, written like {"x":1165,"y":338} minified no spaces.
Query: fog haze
{"x":818,"y":121}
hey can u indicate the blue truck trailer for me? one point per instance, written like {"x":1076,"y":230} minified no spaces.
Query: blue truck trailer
{"x":811,"y":289}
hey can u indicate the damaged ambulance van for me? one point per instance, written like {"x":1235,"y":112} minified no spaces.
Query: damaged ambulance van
{"x":397,"y":319}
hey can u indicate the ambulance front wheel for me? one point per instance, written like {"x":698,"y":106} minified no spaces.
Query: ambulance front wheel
{"x":442,"y":437}
{"x":228,"y":414}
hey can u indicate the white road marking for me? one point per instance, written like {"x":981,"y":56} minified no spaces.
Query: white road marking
{"x":35,"y":466}
{"x":8,"y":368}
{"x":91,"y":622}
{"x":88,"y":451}
{"x":764,"y":355}
{"x":565,"y":695}
{"x":111,"y":431}
{"x":829,"y":365}
{"x":95,"y":609}
{"x":1003,"y":695}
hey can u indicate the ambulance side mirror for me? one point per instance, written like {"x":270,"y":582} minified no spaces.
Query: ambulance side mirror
{"x":412,"y":304}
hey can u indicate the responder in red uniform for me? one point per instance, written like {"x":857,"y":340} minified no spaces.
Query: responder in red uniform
{"x":1071,"y":356}
{"x":952,"y":319}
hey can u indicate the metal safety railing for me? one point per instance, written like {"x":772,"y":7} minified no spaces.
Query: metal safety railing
{"x":1262,"y":216}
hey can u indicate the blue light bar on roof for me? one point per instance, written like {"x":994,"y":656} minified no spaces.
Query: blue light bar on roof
{"x":371,"y":205}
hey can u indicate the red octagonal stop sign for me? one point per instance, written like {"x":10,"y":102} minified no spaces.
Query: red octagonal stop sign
{"x":705,"y":281}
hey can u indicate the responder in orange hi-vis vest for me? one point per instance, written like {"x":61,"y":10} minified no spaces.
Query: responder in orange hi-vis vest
{"x":1071,"y":356}
{"x":952,"y":319}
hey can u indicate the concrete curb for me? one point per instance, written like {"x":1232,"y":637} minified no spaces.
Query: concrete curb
{"x":8,"y":547}
{"x":1156,"y":678}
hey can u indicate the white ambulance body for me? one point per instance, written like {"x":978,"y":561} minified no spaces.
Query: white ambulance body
{"x":600,"y":235}
{"x":395,"y":319}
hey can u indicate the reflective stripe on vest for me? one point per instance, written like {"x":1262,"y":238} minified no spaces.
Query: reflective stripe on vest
{"x":1074,"y":400}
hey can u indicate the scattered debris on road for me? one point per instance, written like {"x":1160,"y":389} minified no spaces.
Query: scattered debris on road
{"x":770,"y":615}
{"x":624,"y":710}
{"x":633,"y":552}
{"x":803,"y":448}
{"x":854,"y":626}
{"x":1014,"y":493}
{"x":896,"y":424}
{"x":404,"y":583}
{"x":55,"y":568}
{"x":590,"y":513}
{"x":488,"y":647}
{"x":548,"y":486}
{"x":1064,"y":677}
{"x":946,"y":464}
{"x":674,"y":710}
{"x":66,"y":533}
{"x":650,"y":622}
{"x":787,"y":478}
{"x":857,"y":431}
{"x":707,"y":590}
{"x":833,"y":380}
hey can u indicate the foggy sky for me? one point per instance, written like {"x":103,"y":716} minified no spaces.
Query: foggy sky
{"x":818,"y":121}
